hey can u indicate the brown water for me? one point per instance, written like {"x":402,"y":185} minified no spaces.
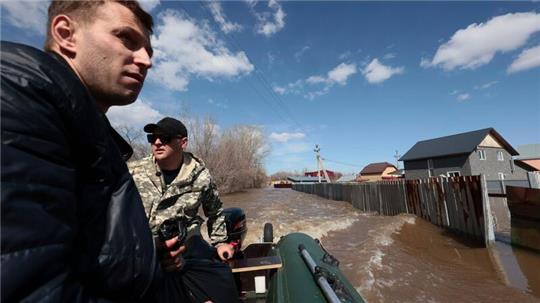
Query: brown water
{"x":396,"y":259}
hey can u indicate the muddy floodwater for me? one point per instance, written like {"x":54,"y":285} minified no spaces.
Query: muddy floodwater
{"x":396,"y":259}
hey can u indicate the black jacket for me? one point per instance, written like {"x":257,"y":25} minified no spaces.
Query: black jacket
{"x":73,"y":224}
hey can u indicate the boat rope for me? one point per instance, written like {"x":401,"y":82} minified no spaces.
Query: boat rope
{"x":328,"y":258}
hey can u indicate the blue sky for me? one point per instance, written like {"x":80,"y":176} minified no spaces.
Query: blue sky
{"x":361,"y":79}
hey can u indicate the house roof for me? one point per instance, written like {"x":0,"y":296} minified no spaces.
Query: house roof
{"x":376,"y":168}
{"x":463,"y":143}
{"x":528,"y":151}
{"x":314,"y":172}
{"x":528,"y":165}
{"x":303,"y":179}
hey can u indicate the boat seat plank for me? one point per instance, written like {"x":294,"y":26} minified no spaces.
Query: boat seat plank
{"x":252,"y":264}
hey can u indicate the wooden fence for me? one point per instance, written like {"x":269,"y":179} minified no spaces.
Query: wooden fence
{"x":456,"y":203}
{"x":524,"y":205}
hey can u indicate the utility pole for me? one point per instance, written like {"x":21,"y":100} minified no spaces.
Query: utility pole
{"x":397,"y":156}
{"x":320,"y":165}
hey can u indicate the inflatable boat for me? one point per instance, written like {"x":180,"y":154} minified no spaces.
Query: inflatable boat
{"x":296,"y":269}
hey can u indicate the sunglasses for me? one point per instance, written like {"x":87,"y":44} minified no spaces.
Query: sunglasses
{"x":164,"y":139}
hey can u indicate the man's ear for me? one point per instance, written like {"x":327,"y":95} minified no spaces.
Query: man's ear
{"x":63,"y":33}
{"x":184,"y":142}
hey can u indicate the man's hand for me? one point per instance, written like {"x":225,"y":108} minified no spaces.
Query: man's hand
{"x":170,"y":256}
{"x":225,"y":251}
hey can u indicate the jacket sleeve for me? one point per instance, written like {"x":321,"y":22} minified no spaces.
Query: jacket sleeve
{"x":213,"y":210}
{"x":38,"y":186}
{"x":59,"y":235}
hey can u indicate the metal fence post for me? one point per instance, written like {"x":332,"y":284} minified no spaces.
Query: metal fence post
{"x":489,"y":233}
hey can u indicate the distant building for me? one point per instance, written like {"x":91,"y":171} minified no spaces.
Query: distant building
{"x":331,"y":174}
{"x":377,"y":171}
{"x":305,"y":179}
{"x":398,"y":174}
{"x":347,"y":178}
{"x":482,"y":151}
{"x":529,"y":157}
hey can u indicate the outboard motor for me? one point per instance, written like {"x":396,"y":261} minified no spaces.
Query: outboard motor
{"x":235,"y":219}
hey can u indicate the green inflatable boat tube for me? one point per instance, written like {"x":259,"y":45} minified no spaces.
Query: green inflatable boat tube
{"x":294,"y":282}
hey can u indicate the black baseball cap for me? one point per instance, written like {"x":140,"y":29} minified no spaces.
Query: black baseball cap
{"x":167,"y":126}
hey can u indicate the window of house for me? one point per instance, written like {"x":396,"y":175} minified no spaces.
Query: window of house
{"x":501,"y":176}
{"x":500,"y":156}
{"x":481,"y":154}
{"x":453,"y":174}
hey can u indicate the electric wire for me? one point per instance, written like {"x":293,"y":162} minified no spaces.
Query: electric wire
{"x":253,"y":87}
{"x":258,"y":74}
{"x":275,"y":100}
{"x":343,"y":163}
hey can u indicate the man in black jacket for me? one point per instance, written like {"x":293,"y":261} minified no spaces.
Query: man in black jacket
{"x":73,"y":225}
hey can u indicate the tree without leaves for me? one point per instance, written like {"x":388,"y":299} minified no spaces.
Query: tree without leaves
{"x":282,"y":175}
{"x":136,"y":138}
{"x":235,"y":157}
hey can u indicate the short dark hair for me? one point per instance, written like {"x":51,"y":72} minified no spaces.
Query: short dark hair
{"x":83,"y":10}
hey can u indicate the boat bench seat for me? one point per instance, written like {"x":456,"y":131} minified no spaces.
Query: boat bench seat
{"x":254,"y":264}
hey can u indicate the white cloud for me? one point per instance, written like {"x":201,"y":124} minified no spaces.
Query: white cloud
{"x":486,"y":86}
{"x":341,"y":73}
{"x":312,"y":95}
{"x":291,"y":88}
{"x":463,"y":97}
{"x":136,"y":114}
{"x":31,"y":15}
{"x":218,"y":14}
{"x":477,"y":44}
{"x":315,"y":79}
{"x":376,"y":72}
{"x":389,"y":56}
{"x":345,"y":55}
{"x":270,"y":24}
{"x":425,"y":63}
{"x":301,"y":52}
{"x":529,"y":58}
{"x":251,"y":3}
{"x":185,"y":48}
{"x":280,"y":90}
{"x":218,"y":104}
{"x":285,"y":137}
{"x":149,"y":5}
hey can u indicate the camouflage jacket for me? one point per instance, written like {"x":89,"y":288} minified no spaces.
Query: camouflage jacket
{"x":192,"y":188}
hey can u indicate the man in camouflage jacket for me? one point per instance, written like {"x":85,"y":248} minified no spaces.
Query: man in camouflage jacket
{"x":174,"y":184}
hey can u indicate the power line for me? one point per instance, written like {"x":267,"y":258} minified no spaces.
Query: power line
{"x":253,"y":87}
{"x":259,"y":75}
{"x":343,"y":163}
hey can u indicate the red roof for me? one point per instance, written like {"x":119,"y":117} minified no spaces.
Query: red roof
{"x":314,"y":173}
{"x":376,"y":168}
